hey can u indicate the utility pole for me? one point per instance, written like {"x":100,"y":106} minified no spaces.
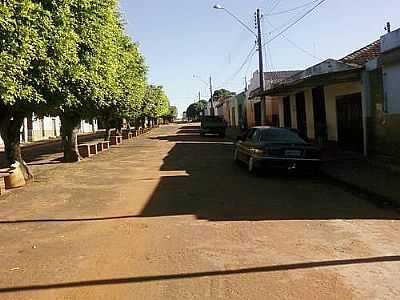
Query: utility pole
{"x":260,"y":65}
{"x":245,"y":83}
{"x":199,"y":96}
{"x":212,"y":112}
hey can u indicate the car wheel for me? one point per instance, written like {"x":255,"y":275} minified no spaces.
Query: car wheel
{"x":236,"y":155}
{"x":251,"y":166}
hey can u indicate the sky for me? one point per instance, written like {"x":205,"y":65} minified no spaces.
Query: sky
{"x":185,"y":42}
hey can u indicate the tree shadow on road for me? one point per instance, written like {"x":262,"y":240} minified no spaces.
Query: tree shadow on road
{"x":219,"y":190}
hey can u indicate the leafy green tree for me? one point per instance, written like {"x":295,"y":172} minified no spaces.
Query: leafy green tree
{"x":195,"y":110}
{"x":156,"y":103}
{"x":24,"y":32}
{"x":222,"y":93}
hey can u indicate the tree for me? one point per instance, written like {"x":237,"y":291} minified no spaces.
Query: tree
{"x":222,"y":94}
{"x":156,"y":103}
{"x":24,"y":32}
{"x":195,"y":110}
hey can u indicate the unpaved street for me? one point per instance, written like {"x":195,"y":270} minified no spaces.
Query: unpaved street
{"x":170,"y":216}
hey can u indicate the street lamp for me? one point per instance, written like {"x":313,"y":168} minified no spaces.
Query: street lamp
{"x":260,"y":48}
{"x":217,"y":6}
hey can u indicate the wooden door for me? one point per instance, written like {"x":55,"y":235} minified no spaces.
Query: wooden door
{"x":349,"y":122}
{"x":287,"y":115}
{"x":320,"y":125}
{"x":301,"y":113}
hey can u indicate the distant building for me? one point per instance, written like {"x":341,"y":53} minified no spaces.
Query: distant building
{"x":37,"y":129}
{"x":254,"y":106}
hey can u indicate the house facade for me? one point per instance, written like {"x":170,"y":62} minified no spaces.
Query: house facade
{"x":348,"y":104}
{"x":254,"y":107}
{"x":383,"y":77}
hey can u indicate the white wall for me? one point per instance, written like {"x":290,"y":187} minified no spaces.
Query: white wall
{"x":391,"y":85}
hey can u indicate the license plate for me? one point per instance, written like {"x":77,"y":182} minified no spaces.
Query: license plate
{"x":293,"y":153}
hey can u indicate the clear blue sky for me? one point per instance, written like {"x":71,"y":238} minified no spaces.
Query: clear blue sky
{"x":180,"y":38}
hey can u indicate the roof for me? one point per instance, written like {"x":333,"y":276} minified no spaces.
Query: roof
{"x":279,"y":75}
{"x":361,"y":56}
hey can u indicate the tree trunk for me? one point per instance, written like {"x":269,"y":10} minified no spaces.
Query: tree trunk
{"x":70,"y":138}
{"x":10,"y":128}
{"x":108,"y":133}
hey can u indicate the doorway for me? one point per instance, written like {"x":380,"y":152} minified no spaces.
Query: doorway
{"x":301,"y":113}
{"x":257,"y":113}
{"x":287,"y":115}
{"x":349,"y":122}
{"x":320,"y":125}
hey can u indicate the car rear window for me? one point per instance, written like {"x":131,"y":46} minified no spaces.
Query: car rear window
{"x":278,"y":135}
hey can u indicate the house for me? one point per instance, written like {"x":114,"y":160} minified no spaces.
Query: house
{"x":253,"y":104}
{"x":383,"y":111}
{"x":235,"y":110}
{"x":349,"y":104}
{"x":325,"y":102}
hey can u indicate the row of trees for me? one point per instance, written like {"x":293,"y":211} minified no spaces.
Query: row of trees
{"x":70,"y":59}
{"x":195,"y":110}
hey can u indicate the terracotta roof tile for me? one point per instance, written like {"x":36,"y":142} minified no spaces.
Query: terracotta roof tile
{"x":361,"y":56}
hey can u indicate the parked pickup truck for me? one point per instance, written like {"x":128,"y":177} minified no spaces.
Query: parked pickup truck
{"x":213,"y":125}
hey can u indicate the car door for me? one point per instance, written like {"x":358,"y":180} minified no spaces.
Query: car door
{"x":246,"y":146}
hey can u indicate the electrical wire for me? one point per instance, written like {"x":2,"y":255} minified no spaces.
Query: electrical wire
{"x":292,"y":9}
{"x":296,"y":22}
{"x":296,"y":45}
{"x":236,"y":73}
{"x":275,"y":5}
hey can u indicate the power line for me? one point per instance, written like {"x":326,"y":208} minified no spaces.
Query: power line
{"x":248,"y":57}
{"x":292,"y":9}
{"x":275,"y":5}
{"x":295,"y":22}
{"x":296,"y":45}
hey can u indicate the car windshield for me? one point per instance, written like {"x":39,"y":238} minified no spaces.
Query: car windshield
{"x":278,"y":135}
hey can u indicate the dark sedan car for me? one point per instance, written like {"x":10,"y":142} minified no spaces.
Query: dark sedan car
{"x":276,"y":148}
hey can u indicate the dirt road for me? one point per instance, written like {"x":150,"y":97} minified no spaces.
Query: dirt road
{"x":170,"y":216}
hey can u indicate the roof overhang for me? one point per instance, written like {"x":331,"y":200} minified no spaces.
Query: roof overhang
{"x":312,"y":81}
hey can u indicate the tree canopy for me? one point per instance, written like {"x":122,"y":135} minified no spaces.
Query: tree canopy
{"x":195,"y":110}
{"x":222,"y":93}
{"x":71,"y":59}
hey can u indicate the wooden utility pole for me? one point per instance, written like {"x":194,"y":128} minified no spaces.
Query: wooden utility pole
{"x":260,"y":65}
{"x":212,"y":112}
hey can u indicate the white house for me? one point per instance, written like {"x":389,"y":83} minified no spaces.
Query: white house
{"x":38,"y":129}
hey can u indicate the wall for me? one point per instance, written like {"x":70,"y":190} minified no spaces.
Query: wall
{"x":310,"y":114}
{"x":331,"y":92}
{"x":384,"y":128}
{"x":390,"y":41}
{"x":391,"y":86}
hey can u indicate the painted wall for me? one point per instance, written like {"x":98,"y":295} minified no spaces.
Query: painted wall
{"x":391,"y":86}
{"x":384,"y":128}
{"x":331,"y":92}
{"x":309,"y":114}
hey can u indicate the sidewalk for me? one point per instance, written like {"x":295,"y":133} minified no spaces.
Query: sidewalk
{"x":367,"y":176}
{"x":54,"y":140}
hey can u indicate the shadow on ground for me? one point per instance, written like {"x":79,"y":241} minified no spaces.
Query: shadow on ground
{"x":35,"y":155}
{"x":219,"y":190}
{"x":181,"y":276}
